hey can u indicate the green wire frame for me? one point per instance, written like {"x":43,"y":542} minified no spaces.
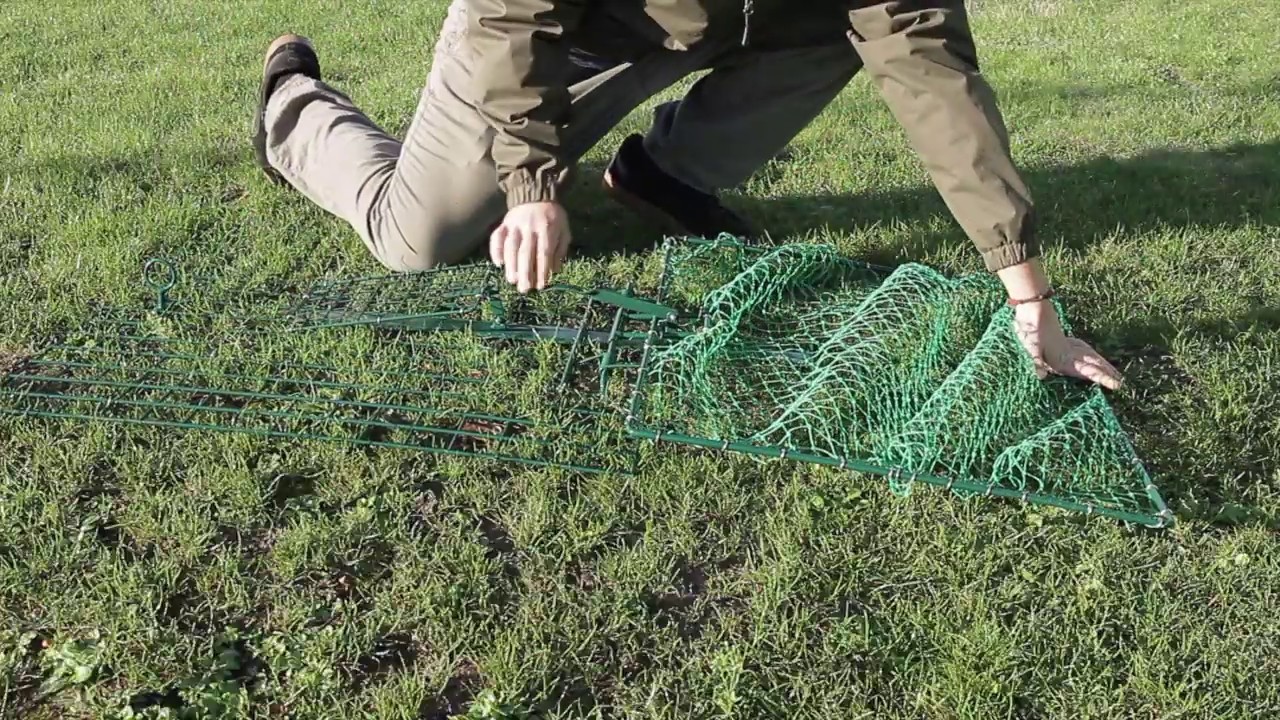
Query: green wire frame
{"x":466,"y":297}
{"x":121,"y":371}
{"x":608,"y":333}
{"x":664,"y":330}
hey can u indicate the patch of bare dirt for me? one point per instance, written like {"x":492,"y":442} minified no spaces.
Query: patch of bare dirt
{"x":11,"y":359}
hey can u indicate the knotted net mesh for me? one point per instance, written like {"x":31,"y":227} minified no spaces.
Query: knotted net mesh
{"x":797,"y":351}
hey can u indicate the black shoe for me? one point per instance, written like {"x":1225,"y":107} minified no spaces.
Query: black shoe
{"x":635,"y":181}
{"x":289,"y":54}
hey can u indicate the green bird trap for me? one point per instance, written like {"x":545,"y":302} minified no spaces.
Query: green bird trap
{"x":798,"y":353}
{"x":791,"y":352}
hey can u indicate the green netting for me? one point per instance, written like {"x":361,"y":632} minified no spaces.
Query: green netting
{"x":799,"y":352}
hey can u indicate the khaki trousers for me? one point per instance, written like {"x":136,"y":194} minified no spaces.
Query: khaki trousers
{"x":432,"y":198}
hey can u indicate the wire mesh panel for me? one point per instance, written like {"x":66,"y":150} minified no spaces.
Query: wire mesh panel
{"x":603,"y":327}
{"x":800,"y":353}
{"x":446,"y":297}
{"x":443,"y":394}
{"x":471,"y":297}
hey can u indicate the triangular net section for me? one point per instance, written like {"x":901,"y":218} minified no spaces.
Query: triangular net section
{"x":798,"y":352}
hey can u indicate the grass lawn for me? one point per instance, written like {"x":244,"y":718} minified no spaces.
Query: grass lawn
{"x":145,"y":572}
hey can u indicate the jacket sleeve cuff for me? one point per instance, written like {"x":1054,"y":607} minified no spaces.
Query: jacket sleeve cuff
{"x":522,"y":188}
{"x":999,"y":257}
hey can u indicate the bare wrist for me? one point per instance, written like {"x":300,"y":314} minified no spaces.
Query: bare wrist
{"x":1026,"y":282}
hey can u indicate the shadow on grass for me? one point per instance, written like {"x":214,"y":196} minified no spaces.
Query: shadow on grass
{"x":1227,"y":187}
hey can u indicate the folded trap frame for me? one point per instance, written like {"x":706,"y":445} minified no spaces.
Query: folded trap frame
{"x":791,"y":352}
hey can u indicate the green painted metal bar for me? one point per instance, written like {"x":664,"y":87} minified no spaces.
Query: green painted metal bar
{"x":318,"y":437}
{"x":664,"y":278}
{"x":252,"y":395}
{"x":174,"y":372}
{"x":1159,"y":520}
{"x":577,"y":343}
{"x":561,"y":334}
{"x":633,"y":413}
{"x":611,"y":350}
{"x":644,"y":308}
{"x":290,"y":365}
{"x":176,"y":310}
{"x":494,"y":303}
{"x":341,"y":318}
{"x":274,"y":414}
{"x":614,"y":298}
{"x":161,"y":285}
{"x":491,"y":329}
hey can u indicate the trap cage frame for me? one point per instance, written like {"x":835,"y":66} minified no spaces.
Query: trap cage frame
{"x":789,"y":352}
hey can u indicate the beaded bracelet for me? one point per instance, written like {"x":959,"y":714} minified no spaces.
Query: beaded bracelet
{"x":1038,"y":298}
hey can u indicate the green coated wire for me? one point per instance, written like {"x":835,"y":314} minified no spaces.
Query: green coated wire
{"x":263,"y":432}
{"x":244,"y":411}
{"x":803,"y":354}
{"x":792,"y":352}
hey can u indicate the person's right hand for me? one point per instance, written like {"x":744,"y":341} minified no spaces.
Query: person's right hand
{"x":1053,"y":352}
{"x":531,"y":244}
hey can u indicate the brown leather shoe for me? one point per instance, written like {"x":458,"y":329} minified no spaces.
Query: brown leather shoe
{"x":287,"y":54}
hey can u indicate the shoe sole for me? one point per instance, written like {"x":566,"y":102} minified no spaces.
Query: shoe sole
{"x":645,"y":210}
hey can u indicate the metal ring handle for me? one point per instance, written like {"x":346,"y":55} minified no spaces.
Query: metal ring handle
{"x":160,"y":284}
{"x":170,"y":277}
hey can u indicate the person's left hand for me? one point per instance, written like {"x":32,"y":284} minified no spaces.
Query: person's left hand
{"x":1053,"y":351}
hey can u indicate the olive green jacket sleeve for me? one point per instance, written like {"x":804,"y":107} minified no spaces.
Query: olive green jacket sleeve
{"x":521,"y":88}
{"x":920,"y":55}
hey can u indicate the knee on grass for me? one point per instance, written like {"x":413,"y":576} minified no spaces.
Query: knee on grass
{"x":426,"y":248}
